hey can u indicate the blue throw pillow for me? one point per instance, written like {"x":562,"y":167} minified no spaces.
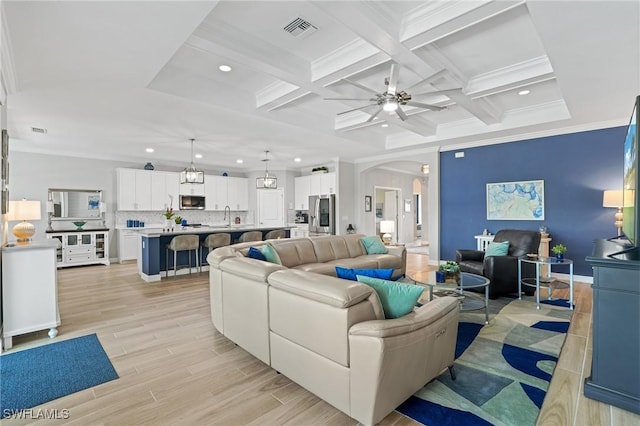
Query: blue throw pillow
{"x":255,"y":253}
{"x":374,"y":245}
{"x":397,"y":299}
{"x":350,"y":274}
{"x":497,"y":249}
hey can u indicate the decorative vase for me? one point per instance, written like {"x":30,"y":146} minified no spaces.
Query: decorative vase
{"x":452,"y":277}
{"x":148,"y":166}
{"x":168,"y":223}
{"x":559,"y":257}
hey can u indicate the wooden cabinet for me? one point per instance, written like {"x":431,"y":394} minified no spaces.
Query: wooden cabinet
{"x":221,"y":191}
{"x":81,"y":247}
{"x":615,"y":371}
{"x":127,"y":245}
{"x":134,"y":189}
{"x":29,"y":289}
{"x":302,"y":186}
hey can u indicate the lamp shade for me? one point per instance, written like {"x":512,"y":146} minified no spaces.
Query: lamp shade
{"x":387,"y":226}
{"x":612,"y":198}
{"x":23,"y":210}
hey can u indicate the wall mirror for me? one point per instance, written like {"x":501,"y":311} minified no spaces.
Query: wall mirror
{"x":71,"y":204}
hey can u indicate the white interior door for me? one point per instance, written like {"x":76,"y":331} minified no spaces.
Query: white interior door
{"x":391,"y":211}
{"x":271,"y":207}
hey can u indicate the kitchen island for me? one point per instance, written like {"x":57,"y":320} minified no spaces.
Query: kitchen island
{"x":153,"y":242}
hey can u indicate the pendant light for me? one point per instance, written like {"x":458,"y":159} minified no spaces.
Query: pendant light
{"x":191,"y":174}
{"x":268,"y":181}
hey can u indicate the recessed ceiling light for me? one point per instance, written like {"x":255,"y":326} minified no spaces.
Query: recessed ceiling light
{"x":384,"y":125}
{"x":198,"y":155}
{"x":239,"y":161}
{"x":524,"y":92}
{"x":297,"y":159}
{"x":224,"y":68}
{"x":149,"y":149}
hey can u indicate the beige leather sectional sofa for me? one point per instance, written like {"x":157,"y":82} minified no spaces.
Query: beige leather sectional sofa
{"x":328,"y":334}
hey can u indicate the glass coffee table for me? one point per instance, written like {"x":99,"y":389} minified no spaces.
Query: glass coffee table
{"x":450,"y":288}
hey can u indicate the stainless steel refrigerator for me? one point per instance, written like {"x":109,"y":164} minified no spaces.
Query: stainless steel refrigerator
{"x":322,"y":215}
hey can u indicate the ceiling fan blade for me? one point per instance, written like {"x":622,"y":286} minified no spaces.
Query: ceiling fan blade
{"x":393,"y":79}
{"x":360,"y":86}
{"x":349,"y":99}
{"x":356,"y":109}
{"x":374,"y":115}
{"x":401,"y":114}
{"x":422,"y":105}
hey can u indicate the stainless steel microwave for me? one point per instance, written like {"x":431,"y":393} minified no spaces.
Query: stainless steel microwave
{"x":192,"y":202}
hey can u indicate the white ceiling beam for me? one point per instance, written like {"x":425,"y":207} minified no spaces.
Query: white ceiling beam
{"x":438,"y":20}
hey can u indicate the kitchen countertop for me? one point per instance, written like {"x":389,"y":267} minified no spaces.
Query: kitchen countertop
{"x":179,"y":230}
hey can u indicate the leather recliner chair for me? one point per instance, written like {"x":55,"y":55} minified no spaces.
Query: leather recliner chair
{"x":502,"y":271}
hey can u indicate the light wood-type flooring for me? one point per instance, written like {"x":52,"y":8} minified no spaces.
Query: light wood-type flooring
{"x":175,"y":368}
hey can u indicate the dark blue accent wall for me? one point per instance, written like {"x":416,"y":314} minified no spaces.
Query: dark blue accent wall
{"x":576,"y":169}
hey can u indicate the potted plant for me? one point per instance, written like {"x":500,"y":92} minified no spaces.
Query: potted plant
{"x":559,"y":250}
{"x":321,"y":169}
{"x":451,"y":270}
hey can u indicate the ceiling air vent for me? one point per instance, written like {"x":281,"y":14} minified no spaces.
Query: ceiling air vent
{"x":38,"y":130}
{"x":300,"y":28}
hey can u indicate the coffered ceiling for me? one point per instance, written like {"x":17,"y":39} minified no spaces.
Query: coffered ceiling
{"x":110,"y":79}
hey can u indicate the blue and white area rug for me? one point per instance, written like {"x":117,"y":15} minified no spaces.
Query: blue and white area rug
{"x":503,"y":369}
{"x":34,"y":376}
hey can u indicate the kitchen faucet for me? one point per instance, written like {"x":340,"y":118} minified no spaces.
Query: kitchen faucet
{"x":225,"y":215}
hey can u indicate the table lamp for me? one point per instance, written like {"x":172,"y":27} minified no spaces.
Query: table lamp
{"x":613,"y":198}
{"x":23,"y":210}
{"x":387,"y":227}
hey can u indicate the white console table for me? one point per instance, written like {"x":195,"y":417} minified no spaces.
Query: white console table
{"x":29,"y":289}
{"x":82,"y":247}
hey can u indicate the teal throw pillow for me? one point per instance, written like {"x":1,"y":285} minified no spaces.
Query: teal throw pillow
{"x":350,"y":274}
{"x":270,"y":254}
{"x":397,"y":299}
{"x":497,"y":249}
{"x":374,"y":245}
{"x":255,"y":253}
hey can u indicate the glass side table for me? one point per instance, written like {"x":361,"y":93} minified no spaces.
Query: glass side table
{"x":539,"y":282}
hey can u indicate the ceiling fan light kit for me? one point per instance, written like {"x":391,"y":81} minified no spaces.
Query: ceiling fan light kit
{"x":191,"y":174}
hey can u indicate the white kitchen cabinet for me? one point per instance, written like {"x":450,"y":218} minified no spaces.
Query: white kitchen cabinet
{"x":134,"y":189}
{"x":221,"y":191}
{"x":299,"y":231}
{"x":302,"y":192}
{"x":238,"y":193}
{"x":81,"y":247}
{"x":29,"y":289}
{"x":165,"y":186}
{"x":127,"y":244}
{"x":270,"y":207}
{"x":315,"y":184}
{"x":327,"y":183}
{"x":192,"y":188}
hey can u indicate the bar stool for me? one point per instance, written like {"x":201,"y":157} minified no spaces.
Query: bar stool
{"x":276,"y":233}
{"x":182,"y":243}
{"x":214,"y":241}
{"x":250,"y":236}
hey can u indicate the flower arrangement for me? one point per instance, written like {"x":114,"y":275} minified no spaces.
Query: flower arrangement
{"x":178,"y":220}
{"x":168,"y":214}
{"x":450,"y":267}
{"x":559,"y":249}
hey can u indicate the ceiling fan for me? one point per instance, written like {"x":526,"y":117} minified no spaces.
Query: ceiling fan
{"x":391,"y":99}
